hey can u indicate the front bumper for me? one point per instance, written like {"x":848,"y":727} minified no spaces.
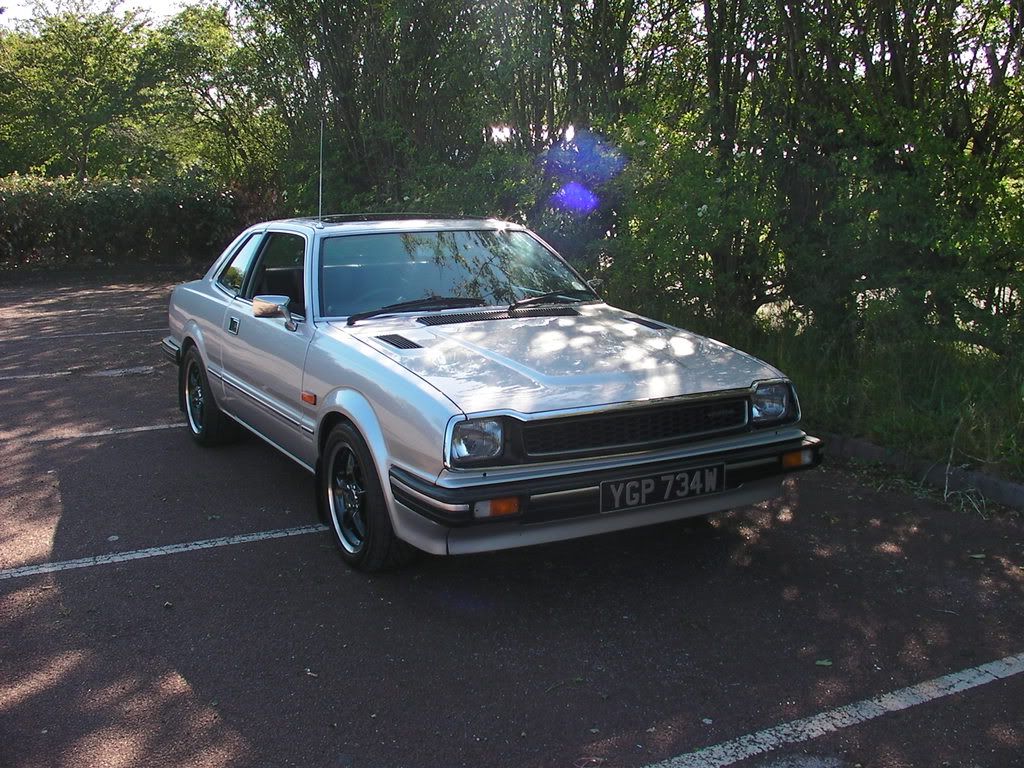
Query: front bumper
{"x":171,"y":349}
{"x":441,"y":520}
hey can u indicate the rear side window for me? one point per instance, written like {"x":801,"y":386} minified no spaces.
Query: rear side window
{"x":234,"y":274}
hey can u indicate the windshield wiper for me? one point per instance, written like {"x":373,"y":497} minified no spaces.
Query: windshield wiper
{"x":430,"y":302}
{"x":551,"y":297}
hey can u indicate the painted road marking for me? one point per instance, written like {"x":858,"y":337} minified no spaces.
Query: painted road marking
{"x":171,"y":549}
{"x":805,"y":729}
{"x":101,"y":433}
{"x":139,"y":370}
{"x":20,"y":376}
{"x":139,"y":310}
{"x":48,"y":336}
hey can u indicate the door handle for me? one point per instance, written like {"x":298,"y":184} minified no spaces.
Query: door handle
{"x":233,"y":325}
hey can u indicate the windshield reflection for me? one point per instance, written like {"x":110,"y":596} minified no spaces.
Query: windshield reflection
{"x":360,"y":273}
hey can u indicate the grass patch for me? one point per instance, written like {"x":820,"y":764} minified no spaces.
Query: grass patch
{"x":902,"y":387}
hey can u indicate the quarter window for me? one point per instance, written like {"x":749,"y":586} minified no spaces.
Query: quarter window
{"x":234,"y":274}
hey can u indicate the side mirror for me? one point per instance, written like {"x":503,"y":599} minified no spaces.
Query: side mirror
{"x":273,"y":306}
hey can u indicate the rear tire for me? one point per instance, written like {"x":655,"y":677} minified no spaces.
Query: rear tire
{"x":350,"y":494}
{"x":206,"y":422}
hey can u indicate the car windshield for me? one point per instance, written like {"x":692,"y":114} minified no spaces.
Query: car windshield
{"x":360,"y":273}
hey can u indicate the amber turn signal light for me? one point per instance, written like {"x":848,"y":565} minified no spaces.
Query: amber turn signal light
{"x":796,"y":459}
{"x":497,"y":507}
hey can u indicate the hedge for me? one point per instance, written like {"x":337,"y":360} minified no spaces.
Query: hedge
{"x":62,"y":222}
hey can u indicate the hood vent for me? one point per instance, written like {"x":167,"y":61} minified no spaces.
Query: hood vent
{"x":647,"y":323}
{"x":399,"y":341}
{"x":500,"y":314}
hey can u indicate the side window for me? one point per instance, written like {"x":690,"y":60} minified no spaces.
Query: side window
{"x":280,"y":270}
{"x":233,"y":275}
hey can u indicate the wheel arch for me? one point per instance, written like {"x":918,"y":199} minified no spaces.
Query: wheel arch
{"x":350,"y":406}
{"x":187,"y":343}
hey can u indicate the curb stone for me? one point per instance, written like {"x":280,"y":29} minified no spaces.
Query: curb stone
{"x":932,"y":473}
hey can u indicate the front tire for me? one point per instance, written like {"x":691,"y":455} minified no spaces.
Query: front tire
{"x":205,"y":420}
{"x":353,"y":501}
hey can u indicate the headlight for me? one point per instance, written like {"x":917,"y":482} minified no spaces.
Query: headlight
{"x":771,"y":402}
{"x":477,"y":440}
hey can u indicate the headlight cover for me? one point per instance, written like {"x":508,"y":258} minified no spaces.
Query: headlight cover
{"x":477,"y":440}
{"x":772,"y":402}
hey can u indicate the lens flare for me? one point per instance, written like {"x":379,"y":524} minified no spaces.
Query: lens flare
{"x":575,"y":198}
{"x":582,"y":162}
{"x":585,"y":157}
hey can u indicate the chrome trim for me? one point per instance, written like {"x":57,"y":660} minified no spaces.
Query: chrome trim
{"x":556,"y":495}
{"x":632,"y":463}
{"x":748,"y":464}
{"x":274,"y":410}
{"x":271,"y":443}
{"x":399,"y":485}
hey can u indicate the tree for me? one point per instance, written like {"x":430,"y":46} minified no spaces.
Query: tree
{"x":210,"y":110}
{"x":70,"y":84}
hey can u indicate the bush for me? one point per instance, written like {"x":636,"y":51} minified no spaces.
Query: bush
{"x":54,"y":223}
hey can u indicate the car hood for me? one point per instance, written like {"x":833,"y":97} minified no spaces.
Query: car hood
{"x":599,"y":356}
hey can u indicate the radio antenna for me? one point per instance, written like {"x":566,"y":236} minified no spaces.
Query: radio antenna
{"x":320,"y":201}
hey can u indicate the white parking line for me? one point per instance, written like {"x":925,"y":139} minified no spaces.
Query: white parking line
{"x":20,"y":376}
{"x":49,"y":336}
{"x":101,"y":433}
{"x":805,"y":729}
{"x":139,"y":370}
{"x":138,"y":310}
{"x":171,"y":549}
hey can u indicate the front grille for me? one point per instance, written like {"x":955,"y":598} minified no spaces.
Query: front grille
{"x":633,"y":429}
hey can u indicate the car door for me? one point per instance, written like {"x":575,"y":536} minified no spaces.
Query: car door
{"x":228,"y":282}
{"x":263,"y":357}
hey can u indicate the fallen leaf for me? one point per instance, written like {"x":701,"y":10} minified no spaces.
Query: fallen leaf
{"x":823,"y":662}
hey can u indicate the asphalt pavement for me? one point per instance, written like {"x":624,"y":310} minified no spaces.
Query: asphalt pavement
{"x":162,"y":604}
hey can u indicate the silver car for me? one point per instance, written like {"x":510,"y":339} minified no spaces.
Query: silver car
{"x":455,"y":387}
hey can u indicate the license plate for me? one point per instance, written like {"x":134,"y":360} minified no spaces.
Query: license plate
{"x":661,"y":488}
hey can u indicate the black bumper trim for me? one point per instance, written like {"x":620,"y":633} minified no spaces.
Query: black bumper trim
{"x":769,"y":458}
{"x":171,"y":349}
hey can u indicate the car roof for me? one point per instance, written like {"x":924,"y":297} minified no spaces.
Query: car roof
{"x":395,"y":222}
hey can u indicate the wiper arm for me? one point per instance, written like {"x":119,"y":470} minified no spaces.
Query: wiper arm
{"x":551,"y":297}
{"x":429,"y":302}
